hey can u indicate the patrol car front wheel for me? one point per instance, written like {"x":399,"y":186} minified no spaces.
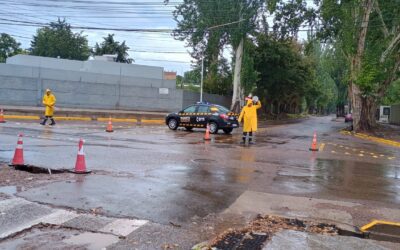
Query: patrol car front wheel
{"x":213,"y":128}
{"x":173,"y":124}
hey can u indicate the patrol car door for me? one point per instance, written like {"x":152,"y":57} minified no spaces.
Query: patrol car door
{"x":186,"y":117}
{"x":203,"y":113}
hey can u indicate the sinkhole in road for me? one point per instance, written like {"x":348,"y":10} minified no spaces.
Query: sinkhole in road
{"x":39,"y":170}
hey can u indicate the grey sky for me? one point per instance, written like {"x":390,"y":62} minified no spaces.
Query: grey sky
{"x":146,"y":47}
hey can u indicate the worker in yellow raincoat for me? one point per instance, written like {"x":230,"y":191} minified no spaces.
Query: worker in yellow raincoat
{"x":249,"y":116}
{"x":49,"y":100}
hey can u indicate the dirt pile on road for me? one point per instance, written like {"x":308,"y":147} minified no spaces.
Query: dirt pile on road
{"x":262,"y":229}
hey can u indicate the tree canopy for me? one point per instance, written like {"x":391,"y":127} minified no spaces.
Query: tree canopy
{"x":110,"y":46}
{"x":366,"y":33}
{"x":8,"y":47}
{"x":58,"y":40}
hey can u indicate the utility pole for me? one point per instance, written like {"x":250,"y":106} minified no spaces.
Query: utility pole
{"x":202,"y":79}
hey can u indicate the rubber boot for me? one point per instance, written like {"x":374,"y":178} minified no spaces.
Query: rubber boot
{"x":44,"y":121}
{"x":52,"y":122}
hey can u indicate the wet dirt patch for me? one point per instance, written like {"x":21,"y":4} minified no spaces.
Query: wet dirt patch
{"x":299,"y":137}
{"x":262,"y":228}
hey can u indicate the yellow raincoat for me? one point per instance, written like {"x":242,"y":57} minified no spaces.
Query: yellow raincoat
{"x":49,"y":101}
{"x":249,"y":115}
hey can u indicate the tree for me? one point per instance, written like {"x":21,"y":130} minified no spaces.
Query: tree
{"x":284,"y":72}
{"x":110,"y":46}
{"x":8,"y":47}
{"x":207,"y":26}
{"x":58,"y":40}
{"x":367,"y":33}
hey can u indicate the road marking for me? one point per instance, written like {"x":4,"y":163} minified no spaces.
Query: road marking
{"x":72,"y":118}
{"x":360,"y":155}
{"x":321,"y":147}
{"x":22,"y":117}
{"x":100,"y":119}
{"x":375,"y":156}
{"x":347,"y":153}
{"x":372,"y":138}
{"x":333,"y":152}
{"x":57,"y":217}
{"x":153,"y":121}
{"x":122,"y":227}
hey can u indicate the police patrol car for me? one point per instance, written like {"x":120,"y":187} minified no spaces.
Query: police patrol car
{"x":201,"y":114}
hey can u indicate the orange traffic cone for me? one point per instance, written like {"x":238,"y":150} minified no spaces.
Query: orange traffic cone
{"x":80,"y":165}
{"x":207,"y":135}
{"x":109,"y":126}
{"x":314,"y":143}
{"x":2,"y":117}
{"x":18,"y":159}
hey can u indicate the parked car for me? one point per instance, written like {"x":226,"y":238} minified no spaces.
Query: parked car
{"x":201,"y":114}
{"x":348,"y":118}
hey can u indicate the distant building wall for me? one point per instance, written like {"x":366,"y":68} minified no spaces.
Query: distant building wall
{"x":169,"y":75}
{"x":25,"y":85}
{"x":395,"y":114}
{"x":193,"y":97}
{"x":93,"y":84}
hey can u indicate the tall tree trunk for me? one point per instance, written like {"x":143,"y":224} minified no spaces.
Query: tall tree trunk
{"x":360,"y":121}
{"x":235,"y":106}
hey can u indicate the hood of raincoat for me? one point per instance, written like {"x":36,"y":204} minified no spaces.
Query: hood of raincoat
{"x":249,"y":103}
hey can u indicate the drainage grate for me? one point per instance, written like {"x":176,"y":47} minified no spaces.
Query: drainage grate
{"x":242,"y":241}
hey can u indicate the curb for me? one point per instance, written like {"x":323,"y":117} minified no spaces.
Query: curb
{"x":137,"y":121}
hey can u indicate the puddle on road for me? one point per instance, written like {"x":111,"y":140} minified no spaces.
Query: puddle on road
{"x":349,"y":178}
{"x":169,"y":193}
{"x":9,"y":190}
{"x":92,"y":241}
{"x":58,"y":238}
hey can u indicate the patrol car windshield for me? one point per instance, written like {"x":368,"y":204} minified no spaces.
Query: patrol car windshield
{"x":190,"y":109}
{"x":220,"y":108}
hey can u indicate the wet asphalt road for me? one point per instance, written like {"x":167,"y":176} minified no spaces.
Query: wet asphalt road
{"x":165,"y":176}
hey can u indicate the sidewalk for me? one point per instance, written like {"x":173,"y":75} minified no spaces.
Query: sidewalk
{"x":35,"y":113}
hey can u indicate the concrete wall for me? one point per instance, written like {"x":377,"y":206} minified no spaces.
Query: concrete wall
{"x":193,"y":97}
{"x":93,"y":84}
{"x":96,"y":67}
{"x":395,"y":114}
{"x":24,"y":85}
